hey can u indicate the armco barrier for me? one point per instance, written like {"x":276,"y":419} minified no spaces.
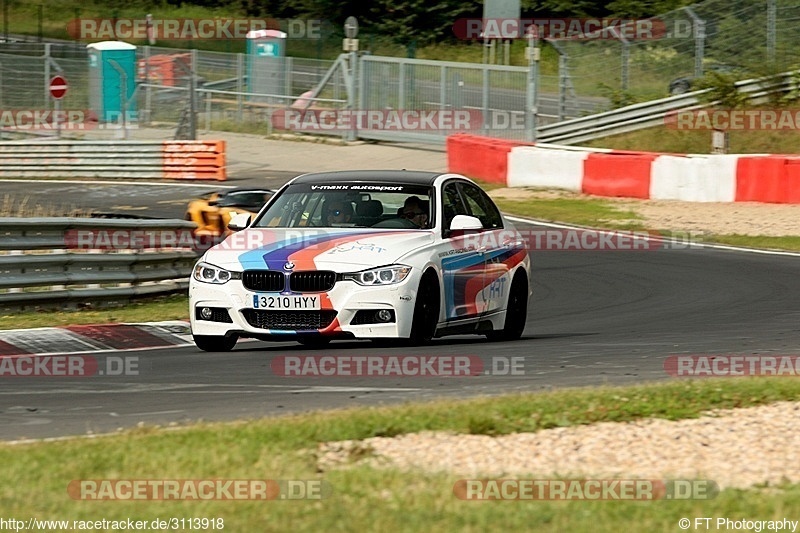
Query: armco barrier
{"x":618,"y":175}
{"x":46,"y":262}
{"x":178,"y":160}
{"x":481,"y":157}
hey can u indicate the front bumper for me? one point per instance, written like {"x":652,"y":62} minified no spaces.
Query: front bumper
{"x":344,"y":300}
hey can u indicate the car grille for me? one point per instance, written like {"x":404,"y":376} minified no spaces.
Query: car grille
{"x":297,"y":320}
{"x":263,"y":280}
{"x":312,"y":281}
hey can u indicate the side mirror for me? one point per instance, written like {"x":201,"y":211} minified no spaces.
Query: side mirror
{"x":239,"y":221}
{"x":465,"y":223}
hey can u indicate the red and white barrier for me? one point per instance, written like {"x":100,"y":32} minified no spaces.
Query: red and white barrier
{"x":618,"y":173}
{"x":694,"y":178}
{"x":544,"y":167}
{"x":478,"y":156}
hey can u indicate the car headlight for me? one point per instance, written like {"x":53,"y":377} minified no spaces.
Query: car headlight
{"x":208,"y":273}
{"x":387,"y":275}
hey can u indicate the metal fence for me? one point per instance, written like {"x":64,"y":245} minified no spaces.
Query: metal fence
{"x":578,"y":78}
{"x":745,"y":39}
{"x":224,"y":97}
{"x":498,"y":93}
{"x":44,"y":262}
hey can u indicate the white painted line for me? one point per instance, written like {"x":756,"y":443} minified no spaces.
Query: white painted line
{"x":353,"y":389}
{"x":174,"y":411}
{"x":649,"y":238}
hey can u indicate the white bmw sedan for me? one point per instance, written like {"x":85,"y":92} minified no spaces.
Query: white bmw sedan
{"x":366,"y":255}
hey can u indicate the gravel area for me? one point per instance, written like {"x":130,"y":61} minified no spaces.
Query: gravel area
{"x":735,"y":448}
{"x":743,"y":218}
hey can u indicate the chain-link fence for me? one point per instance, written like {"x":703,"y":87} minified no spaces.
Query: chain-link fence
{"x":576,"y":77}
{"x":743,"y":39}
{"x":26,"y":70}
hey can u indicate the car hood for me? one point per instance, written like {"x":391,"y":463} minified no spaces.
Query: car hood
{"x":337,"y":249}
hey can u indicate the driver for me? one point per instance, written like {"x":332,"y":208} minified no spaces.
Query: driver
{"x":338,"y":213}
{"x":415,"y":210}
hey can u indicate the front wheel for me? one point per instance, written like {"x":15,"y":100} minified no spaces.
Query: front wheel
{"x":516,"y":311}
{"x":215,"y":343}
{"x":426,"y":309}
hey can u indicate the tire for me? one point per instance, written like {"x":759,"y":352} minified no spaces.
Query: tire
{"x":426,"y":310}
{"x":215,"y":343}
{"x":516,"y":311}
{"x":314,"y":342}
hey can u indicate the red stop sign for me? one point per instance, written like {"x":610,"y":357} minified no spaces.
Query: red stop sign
{"x":58,"y":87}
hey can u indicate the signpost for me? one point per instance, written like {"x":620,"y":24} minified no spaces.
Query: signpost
{"x":350,"y":44}
{"x":58,"y":88}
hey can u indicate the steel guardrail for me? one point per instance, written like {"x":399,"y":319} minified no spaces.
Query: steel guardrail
{"x":653,"y":113}
{"x":47,"y":262}
{"x":189,"y":160}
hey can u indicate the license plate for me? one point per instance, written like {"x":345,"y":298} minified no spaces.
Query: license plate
{"x":279,"y":302}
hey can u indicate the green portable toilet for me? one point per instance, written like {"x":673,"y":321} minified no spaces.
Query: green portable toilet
{"x":266,"y":63}
{"x":112,"y":69}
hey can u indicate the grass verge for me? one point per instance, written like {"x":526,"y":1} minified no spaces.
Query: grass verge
{"x":365,"y":498}
{"x":665,"y":140}
{"x":598,"y":213}
{"x":581,"y":211}
{"x":174,"y":307}
{"x":786,"y":242}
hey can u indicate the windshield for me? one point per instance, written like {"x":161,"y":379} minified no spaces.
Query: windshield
{"x":356,"y":205}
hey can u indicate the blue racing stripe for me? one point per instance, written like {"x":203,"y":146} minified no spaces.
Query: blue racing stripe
{"x":275,"y":255}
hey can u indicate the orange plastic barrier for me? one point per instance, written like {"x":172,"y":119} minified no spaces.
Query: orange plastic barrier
{"x":479,"y":157}
{"x":617,"y":174}
{"x":194,"y":160}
